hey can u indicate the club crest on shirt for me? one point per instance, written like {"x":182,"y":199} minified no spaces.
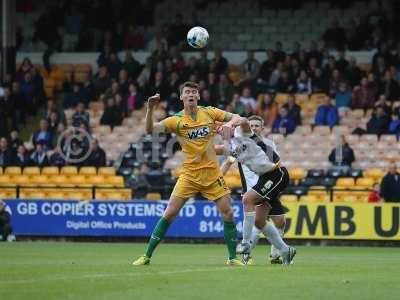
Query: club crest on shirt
{"x":198,"y":133}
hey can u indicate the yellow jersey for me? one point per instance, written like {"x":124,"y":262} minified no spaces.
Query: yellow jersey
{"x":196,"y":136}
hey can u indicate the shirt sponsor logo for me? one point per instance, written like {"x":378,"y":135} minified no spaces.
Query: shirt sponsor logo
{"x":198,"y":133}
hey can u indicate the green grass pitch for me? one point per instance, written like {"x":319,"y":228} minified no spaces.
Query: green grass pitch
{"x":57,"y":270}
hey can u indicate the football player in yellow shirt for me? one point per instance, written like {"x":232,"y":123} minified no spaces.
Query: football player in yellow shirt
{"x":195,"y":130}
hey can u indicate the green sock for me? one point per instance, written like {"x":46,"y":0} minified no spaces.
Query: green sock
{"x":157,"y":235}
{"x":230,"y":237}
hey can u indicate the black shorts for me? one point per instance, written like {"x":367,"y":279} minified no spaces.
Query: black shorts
{"x":270,"y":185}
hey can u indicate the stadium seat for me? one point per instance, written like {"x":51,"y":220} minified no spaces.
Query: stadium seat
{"x":297,"y":173}
{"x":6,"y":180}
{"x":41,"y":180}
{"x":31,"y":171}
{"x":113,"y":181}
{"x":106,"y":171}
{"x":21,"y":180}
{"x":345,"y":182}
{"x":365,"y":182}
{"x":322,"y":130}
{"x":319,"y":192}
{"x":374,"y":173}
{"x":309,"y":198}
{"x":153,"y":196}
{"x":113,"y":194}
{"x":8,"y":193}
{"x":56,"y":195}
{"x":69,"y":170}
{"x":13,"y":171}
{"x":78,"y":180}
{"x":95,"y":180}
{"x":87,"y":171}
{"x":59,"y":180}
{"x":1,"y":170}
{"x":288,"y":198}
{"x":50,"y":171}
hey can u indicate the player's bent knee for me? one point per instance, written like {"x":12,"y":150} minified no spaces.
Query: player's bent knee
{"x":227,"y":214}
{"x":260,"y":224}
{"x":279,"y":222}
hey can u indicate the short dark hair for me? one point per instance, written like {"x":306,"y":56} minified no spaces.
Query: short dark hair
{"x":256,"y":118}
{"x":189,"y":84}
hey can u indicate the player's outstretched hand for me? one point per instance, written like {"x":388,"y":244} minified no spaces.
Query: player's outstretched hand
{"x":227,"y":131}
{"x":153,"y":100}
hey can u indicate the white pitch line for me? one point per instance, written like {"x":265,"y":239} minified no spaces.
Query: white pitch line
{"x":107,"y":275}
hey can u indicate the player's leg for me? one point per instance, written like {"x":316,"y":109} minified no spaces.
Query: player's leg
{"x":230,"y":232}
{"x":174,"y":206}
{"x":279,"y":222}
{"x":220,"y":193}
{"x":183,"y":190}
{"x":249,"y":200}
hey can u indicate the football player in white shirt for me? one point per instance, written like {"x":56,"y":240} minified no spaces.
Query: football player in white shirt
{"x":263,"y":179}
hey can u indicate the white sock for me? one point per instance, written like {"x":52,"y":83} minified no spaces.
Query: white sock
{"x":274,"y":251}
{"x":248,"y":224}
{"x":255,"y":236}
{"x":272,"y":235}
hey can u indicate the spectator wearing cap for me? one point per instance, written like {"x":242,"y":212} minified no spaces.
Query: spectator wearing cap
{"x":327,"y":113}
{"x":390,"y":185}
{"x":43,"y":135}
{"x":283,"y":124}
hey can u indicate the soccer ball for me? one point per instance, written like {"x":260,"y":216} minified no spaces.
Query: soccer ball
{"x":197,"y":37}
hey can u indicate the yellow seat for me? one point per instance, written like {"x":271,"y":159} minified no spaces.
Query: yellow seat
{"x":320,"y":193}
{"x":297,"y":173}
{"x":113,"y":194}
{"x":22,"y":180}
{"x":78,"y":180}
{"x":33,"y":195}
{"x":374,"y":173}
{"x":13,"y":171}
{"x":288,"y":198}
{"x":31,"y":171}
{"x":153,"y":196}
{"x":50,"y":171}
{"x":365,"y":182}
{"x":88,"y":171}
{"x":113,"y":181}
{"x":344,"y":196}
{"x":78,"y":194}
{"x":1,"y":170}
{"x":41,"y":180}
{"x":59,"y":180}
{"x":56,"y":195}
{"x":69,"y":170}
{"x":345,"y":182}
{"x":106,"y":171}
{"x":95,"y":180}
{"x":6,"y":180}
{"x":8,"y":193}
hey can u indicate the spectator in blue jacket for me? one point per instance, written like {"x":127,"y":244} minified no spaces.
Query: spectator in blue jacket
{"x":327,"y":114}
{"x":43,"y":135}
{"x":394,"y":125}
{"x":343,"y":98}
{"x":283,"y":124}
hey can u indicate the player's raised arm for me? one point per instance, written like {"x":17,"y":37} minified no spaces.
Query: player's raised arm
{"x":150,"y":125}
